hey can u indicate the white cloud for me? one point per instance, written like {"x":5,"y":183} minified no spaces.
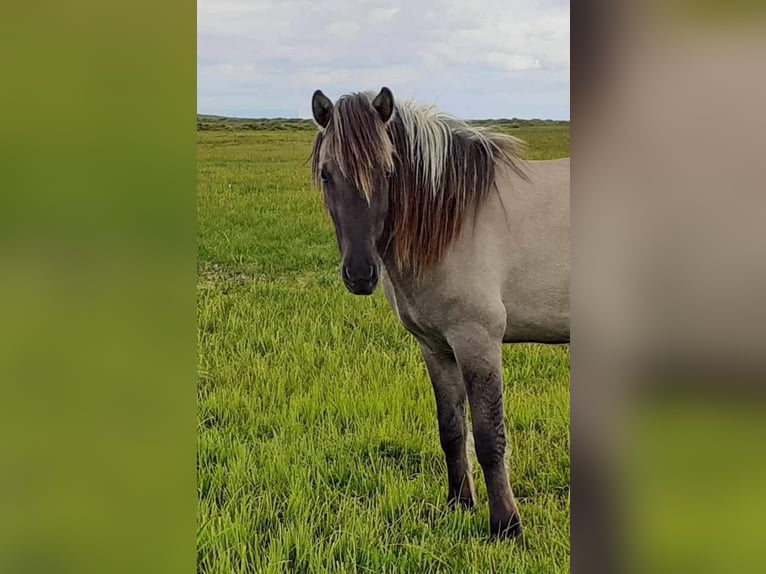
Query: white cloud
{"x":344,"y":30}
{"x":513,"y":62}
{"x":266,"y":56}
{"x":383,"y":14}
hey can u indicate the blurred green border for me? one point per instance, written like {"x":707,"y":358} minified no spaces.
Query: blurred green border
{"x":97,"y":283}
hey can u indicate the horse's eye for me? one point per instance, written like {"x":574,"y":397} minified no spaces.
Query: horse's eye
{"x":388,"y":174}
{"x":324,"y":175}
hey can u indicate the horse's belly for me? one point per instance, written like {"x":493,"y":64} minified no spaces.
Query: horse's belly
{"x":545,"y":321}
{"x":550,"y":332}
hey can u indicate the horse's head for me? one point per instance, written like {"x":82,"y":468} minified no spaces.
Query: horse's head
{"x":353,"y":160}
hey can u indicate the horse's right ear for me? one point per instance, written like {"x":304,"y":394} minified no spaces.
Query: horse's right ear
{"x":321,"y":107}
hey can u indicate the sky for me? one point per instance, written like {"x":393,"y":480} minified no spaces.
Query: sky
{"x":475,"y":59}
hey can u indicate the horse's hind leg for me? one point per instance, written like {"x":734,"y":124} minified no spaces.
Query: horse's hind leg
{"x":451,"y":409}
{"x":479,"y":356}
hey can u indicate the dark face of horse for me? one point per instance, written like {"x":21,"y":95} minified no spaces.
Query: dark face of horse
{"x":357,"y":208}
{"x":358,"y":227}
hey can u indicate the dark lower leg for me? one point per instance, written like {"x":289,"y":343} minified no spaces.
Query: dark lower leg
{"x":453,"y":433}
{"x":486,"y":397}
{"x":451,"y":405}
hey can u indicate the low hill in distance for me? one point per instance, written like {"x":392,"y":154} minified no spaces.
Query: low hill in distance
{"x":211,"y":123}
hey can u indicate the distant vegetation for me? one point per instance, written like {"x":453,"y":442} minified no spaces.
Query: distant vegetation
{"x":217,"y":123}
{"x":221,"y":123}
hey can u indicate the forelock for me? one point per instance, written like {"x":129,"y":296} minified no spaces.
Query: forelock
{"x":357,"y":140}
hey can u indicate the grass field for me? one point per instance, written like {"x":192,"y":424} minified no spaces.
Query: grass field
{"x":318,"y":441}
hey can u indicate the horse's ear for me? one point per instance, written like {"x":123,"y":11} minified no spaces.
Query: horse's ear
{"x":384,"y":104}
{"x":321,"y":107}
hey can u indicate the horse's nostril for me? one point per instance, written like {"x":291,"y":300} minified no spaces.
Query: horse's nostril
{"x":358,"y":275}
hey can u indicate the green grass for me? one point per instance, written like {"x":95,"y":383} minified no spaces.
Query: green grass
{"x":318,"y":443}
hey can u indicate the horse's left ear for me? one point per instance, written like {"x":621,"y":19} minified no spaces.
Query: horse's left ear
{"x":384,"y":104}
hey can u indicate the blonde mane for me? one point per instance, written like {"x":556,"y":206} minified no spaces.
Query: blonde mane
{"x":441,"y":167}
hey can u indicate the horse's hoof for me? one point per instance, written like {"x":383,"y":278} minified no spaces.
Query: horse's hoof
{"x":508,"y":529}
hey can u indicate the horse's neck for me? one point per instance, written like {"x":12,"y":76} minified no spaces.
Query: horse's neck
{"x":392,"y":270}
{"x":384,"y":247}
{"x":402,"y":280}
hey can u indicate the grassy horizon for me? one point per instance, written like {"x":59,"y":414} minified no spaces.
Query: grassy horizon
{"x":212,"y":122}
{"x":318,"y":446}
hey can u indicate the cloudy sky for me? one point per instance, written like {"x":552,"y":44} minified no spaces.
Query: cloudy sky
{"x":473,"y":58}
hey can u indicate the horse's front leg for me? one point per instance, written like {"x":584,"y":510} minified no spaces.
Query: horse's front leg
{"x":451,"y":408}
{"x":479,"y":356}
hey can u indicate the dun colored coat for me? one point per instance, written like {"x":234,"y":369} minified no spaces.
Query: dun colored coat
{"x":472,"y":245}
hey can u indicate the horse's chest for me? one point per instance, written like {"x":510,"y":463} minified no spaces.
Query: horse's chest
{"x":409,"y":318}
{"x":417,"y":320}
{"x":415,"y":314}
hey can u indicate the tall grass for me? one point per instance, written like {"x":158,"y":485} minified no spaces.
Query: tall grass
{"x":318,"y":442}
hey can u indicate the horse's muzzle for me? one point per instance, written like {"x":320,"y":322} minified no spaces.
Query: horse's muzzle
{"x":361,"y":283}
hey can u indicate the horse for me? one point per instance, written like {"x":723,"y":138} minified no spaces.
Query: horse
{"x":471,"y":243}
